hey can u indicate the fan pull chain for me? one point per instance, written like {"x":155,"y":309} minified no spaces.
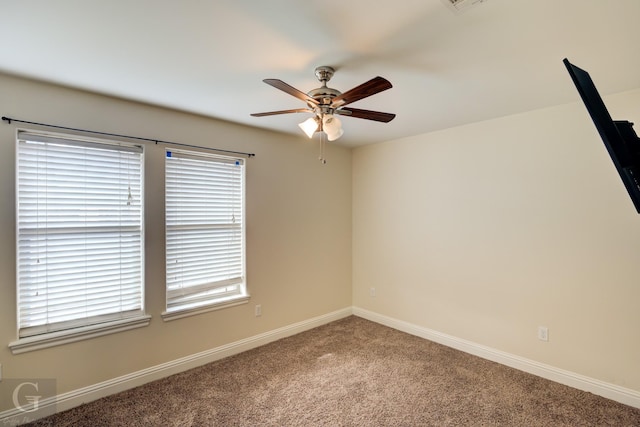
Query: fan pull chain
{"x":323,"y":137}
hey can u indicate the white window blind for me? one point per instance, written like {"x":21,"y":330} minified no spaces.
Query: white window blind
{"x":79,"y":232}
{"x":205,"y":250}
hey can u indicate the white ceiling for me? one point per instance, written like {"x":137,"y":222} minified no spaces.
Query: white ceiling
{"x":209,"y":57}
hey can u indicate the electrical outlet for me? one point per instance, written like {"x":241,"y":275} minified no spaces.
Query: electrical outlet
{"x":258,"y":310}
{"x":372,"y":292}
{"x":543,"y":333}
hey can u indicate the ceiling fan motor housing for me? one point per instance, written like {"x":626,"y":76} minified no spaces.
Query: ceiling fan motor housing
{"x":323,"y":95}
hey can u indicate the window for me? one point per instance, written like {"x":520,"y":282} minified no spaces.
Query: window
{"x":205,"y":232}
{"x":80,"y":238}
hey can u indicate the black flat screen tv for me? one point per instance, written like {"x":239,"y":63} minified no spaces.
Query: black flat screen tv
{"x":619,"y":138}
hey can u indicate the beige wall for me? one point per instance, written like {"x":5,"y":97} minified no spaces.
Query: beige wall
{"x":487,"y":231}
{"x":483,"y":232}
{"x":298,"y":235}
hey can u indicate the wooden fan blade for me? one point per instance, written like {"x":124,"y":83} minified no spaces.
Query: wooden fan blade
{"x":279,"y":84}
{"x":273,"y":113}
{"x":373,"y":86}
{"x":366,"y":114}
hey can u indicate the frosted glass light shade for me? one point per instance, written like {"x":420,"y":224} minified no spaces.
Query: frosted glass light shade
{"x":309,"y":126}
{"x":332,"y":127}
{"x":335,"y":135}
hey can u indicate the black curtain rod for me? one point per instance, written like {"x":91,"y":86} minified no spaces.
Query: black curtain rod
{"x":157,"y":141}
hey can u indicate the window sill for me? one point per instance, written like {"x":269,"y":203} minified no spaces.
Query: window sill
{"x":52,"y":339}
{"x":223,"y":303}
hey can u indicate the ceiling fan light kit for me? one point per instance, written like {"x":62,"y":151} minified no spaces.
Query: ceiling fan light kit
{"x":325,"y":103}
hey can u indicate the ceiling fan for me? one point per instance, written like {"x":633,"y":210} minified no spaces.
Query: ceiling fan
{"x":325,"y":103}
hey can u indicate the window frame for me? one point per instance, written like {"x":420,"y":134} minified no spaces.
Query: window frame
{"x":213,"y":303}
{"x":44,"y":336}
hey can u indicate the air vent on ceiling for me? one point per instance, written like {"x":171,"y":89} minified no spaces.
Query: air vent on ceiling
{"x":459,"y":6}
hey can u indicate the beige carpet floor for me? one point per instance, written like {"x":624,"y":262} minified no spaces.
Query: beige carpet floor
{"x":351,"y":372}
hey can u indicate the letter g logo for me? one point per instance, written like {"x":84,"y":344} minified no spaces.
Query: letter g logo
{"x":29,"y":398}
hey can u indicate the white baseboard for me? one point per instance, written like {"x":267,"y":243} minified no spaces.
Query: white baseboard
{"x":77,"y":397}
{"x":580,"y":382}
